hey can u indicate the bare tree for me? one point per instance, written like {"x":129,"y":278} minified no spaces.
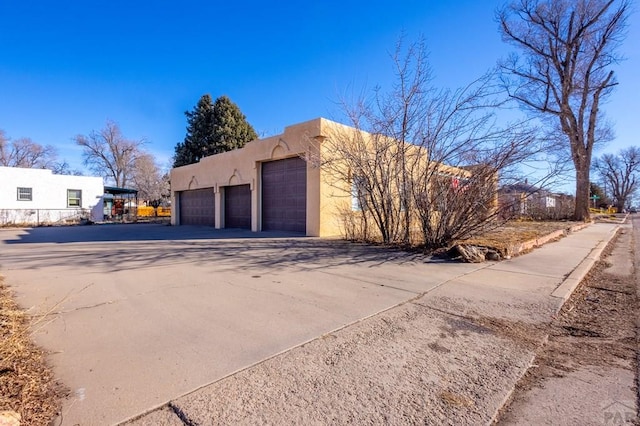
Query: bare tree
{"x":620,"y":174}
{"x":466,"y":152}
{"x":108,"y":153}
{"x":148,"y":179}
{"x":26,"y":153}
{"x":63,"y":168}
{"x":564,"y":72}
{"x":423,"y":163}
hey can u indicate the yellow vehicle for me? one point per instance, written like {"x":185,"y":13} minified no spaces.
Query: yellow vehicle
{"x":148,"y":211}
{"x":164,"y":211}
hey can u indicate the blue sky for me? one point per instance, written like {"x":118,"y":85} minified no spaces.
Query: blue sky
{"x":67,"y":67}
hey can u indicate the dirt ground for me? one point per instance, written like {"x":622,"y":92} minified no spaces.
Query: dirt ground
{"x":28,"y":391}
{"x":410,"y":365}
{"x":595,"y":332}
{"x":514,"y":232}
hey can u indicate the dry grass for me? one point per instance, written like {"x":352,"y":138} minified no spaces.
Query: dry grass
{"x":27,"y":385}
{"x":455,"y":399}
{"x":515,"y":232}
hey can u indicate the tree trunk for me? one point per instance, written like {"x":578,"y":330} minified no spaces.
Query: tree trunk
{"x":581,"y":212}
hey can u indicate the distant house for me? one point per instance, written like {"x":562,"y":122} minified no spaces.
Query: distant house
{"x":37,"y":196}
{"x":524,"y":200}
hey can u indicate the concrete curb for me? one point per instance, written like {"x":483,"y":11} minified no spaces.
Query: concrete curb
{"x":517,"y":249}
{"x":562,"y":293}
{"x":568,"y":286}
{"x":509,"y":394}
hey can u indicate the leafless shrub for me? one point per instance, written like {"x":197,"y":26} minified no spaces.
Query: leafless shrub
{"x":422,"y":165}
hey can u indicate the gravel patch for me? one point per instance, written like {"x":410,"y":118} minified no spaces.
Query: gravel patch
{"x":408,"y":365}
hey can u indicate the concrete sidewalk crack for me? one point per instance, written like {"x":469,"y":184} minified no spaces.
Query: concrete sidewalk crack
{"x":81,"y":308}
{"x":442,"y":311}
{"x":184,"y":418}
{"x":369,"y":282}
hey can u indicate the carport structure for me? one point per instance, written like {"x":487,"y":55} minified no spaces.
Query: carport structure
{"x":118,"y":202}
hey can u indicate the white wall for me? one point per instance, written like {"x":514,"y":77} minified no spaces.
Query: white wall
{"x":49,"y":196}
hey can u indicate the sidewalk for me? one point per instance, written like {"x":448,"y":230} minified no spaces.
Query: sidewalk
{"x":591,"y":378}
{"x":429,"y":359}
{"x":530,"y":288}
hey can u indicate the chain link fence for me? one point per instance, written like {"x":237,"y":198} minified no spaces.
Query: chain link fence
{"x":37,"y":217}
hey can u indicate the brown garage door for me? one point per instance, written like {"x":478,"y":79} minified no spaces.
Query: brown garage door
{"x":237,"y":206}
{"x":284,"y":195}
{"x":197,"y":207}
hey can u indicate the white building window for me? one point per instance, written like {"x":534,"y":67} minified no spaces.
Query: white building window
{"x":74,"y":198}
{"x":25,"y":194}
{"x":358,"y":193}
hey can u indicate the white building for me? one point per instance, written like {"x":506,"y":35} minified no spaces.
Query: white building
{"x":37,"y":196}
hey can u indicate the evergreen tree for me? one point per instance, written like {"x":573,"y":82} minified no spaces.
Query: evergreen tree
{"x":212,"y":128}
{"x":230,"y":127}
{"x":199,"y":133}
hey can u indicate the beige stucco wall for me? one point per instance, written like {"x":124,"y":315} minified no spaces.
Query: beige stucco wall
{"x":328,"y":188}
{"x":243,"y":166}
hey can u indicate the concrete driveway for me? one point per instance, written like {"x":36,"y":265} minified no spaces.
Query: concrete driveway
{"x":137,"y":315}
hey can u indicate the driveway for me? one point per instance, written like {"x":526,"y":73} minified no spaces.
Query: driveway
{"x":137,"y":315}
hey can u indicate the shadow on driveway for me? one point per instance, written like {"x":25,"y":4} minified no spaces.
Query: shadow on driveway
{"x":133,"y":232}
{"x":136,"y":246}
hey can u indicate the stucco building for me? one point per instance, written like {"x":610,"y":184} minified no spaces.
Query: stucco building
{"x":276,"y":183}
{"x":37,"y":196}
{"x":266,"y":185}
